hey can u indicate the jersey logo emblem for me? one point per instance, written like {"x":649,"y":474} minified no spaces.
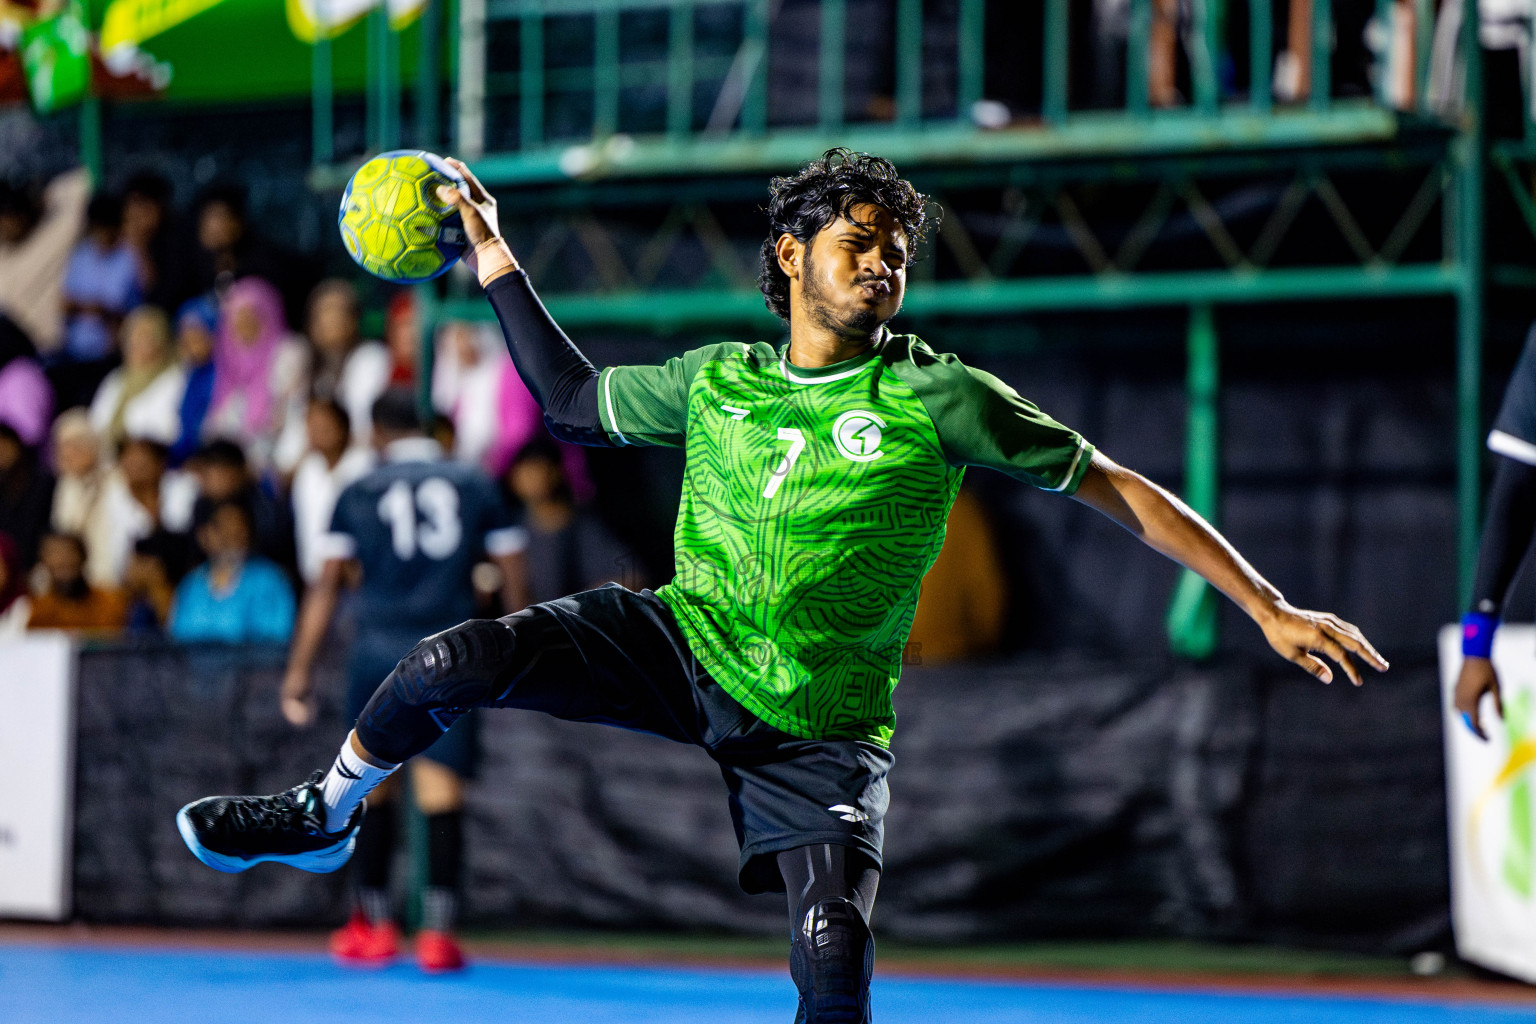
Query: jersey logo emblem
{"x":857,"y":435}
{"x":735,"y":413}
{"x":848,"y":813}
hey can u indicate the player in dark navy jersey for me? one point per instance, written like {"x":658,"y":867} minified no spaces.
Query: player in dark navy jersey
{"x":1507,"y":535}
{"x":417,"y":526}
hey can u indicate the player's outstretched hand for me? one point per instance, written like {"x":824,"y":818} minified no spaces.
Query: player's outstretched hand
{"x":478,"y":211}
{"x":296,"y":700}
{"x":1300,"y":636}
{"x":1478,"y":677}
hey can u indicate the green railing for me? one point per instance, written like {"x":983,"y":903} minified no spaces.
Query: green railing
{"x":676,"y":56}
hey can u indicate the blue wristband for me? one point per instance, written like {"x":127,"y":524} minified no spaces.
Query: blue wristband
{"x":1477,"y":634}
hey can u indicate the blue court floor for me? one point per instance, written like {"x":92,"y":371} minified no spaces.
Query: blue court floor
{"x":93,"y":985}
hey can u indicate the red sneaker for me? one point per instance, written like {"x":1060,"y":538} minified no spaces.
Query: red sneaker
{"x":361,"y":943}
{"x":438,"y":952}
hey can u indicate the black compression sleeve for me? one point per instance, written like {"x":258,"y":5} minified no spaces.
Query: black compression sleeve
{"x":1506,"y":533}
{"x":561,"y":379}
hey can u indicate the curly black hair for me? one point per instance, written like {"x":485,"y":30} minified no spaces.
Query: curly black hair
{"x":823,"y":190}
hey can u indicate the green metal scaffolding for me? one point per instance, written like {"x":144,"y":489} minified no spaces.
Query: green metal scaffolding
{"x":696,"y":154}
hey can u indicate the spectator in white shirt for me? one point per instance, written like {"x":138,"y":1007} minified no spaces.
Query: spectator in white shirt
{"x":342,"y":366}
{"x":80,"y":505}
{"x":331,"y":463}
{"x":142,"y":398}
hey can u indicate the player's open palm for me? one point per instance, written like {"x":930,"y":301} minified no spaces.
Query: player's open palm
{"x":1300,"y":636}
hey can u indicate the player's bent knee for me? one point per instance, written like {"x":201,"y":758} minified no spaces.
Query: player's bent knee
{"x":832,"y":959}
{"x":456,"y":668}
{"x":433,"y":685}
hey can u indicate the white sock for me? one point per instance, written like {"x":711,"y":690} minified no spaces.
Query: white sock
{"x":347,"y":783}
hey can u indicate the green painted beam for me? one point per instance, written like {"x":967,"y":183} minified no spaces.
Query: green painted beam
{"x":1261,"y":55}
{"x":971,"y":52}
{"x":1470,"y":235}
{"x":680,"y":70}
{"x":1085,"y":135}
{"x":1193,"y":615}
{"x":1055,"y":63}
{"x":675,"y":310}
{"x":832,"y":71}
{"x":1138,"y":57}
{"x":322,"y":145}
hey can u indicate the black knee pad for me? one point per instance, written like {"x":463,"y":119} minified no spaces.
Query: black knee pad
{"x":434,"y":685}
{"x":832,"y":959}
{"x":456,"y":669}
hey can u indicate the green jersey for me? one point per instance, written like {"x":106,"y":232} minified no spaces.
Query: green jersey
{"x":814,"y":502}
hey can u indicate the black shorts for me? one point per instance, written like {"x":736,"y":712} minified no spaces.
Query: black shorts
{"x":375,"y":653}
{"x":617,"y":657}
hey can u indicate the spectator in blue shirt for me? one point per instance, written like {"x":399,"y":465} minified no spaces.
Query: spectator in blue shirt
{"x":196,"y":324}
{"x":235,"y":597}
{"x":101,"y":285}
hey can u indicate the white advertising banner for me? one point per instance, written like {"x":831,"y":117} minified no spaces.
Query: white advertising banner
{"x":1492,"y":813}
{"x":37,"y":729}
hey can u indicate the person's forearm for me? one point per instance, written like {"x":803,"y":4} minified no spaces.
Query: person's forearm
{"x":314,"y":619}
{"x":1507,"y":533}
{"x":514,"y":582}
{"x":1167,"y":525}
{"x":559,"y":377}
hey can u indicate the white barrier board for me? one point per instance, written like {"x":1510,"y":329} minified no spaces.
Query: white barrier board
{"x":37,"y":731}
{"x":1491,"y":809}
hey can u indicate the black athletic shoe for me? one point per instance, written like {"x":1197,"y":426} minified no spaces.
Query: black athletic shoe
{"x":831,"y":961}
{"x":232,"y":833}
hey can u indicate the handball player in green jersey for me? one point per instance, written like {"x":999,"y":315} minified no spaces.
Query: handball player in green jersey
{"x":819,"y":474}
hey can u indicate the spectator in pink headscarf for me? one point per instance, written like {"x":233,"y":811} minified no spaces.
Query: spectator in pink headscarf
{"x":26,"y":399}
{"x":258,"y":369}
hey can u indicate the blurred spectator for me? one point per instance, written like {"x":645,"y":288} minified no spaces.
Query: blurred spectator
{"x":26,"y":397}
{"x":157,"y":564}
{"x":197,"y":323}
{"x":147,"y":230}
{"x":236,"y":596}
{"x":228,"y":249}
{"x":142,"y":398}
{"x":345,"y":367}
{"x":26,"y":493}
{"x":403,"y":338}
{"x":15,"y":606}
{"x":35,"y":242}
{"x":965,"y":595}
{"x":258,"y":369}
{"x":223,"y":475}
{"x":80,"y":505}
{"x":331,"y":463}
{"x":342,"y":366}
{"x":67,"y":600}
{"x":569,"y":548}
{"x":101,"y":285}
{"x":466,"y":387}
{"x":519,"y":419}
{"x":144,"y":499}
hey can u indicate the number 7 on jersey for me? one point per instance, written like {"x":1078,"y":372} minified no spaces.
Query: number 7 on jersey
{"x":796,"y":445}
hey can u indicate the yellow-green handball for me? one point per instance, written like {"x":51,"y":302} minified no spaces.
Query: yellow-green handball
{"x":393,"y":223}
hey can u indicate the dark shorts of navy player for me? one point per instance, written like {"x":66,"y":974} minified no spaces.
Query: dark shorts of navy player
{"x":618,"y":658}
{"x":375,"y":652}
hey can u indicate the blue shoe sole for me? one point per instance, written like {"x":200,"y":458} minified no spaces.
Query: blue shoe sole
{"x":320,"y":862}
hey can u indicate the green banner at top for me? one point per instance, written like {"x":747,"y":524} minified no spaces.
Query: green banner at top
{"x":131,"y":22}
